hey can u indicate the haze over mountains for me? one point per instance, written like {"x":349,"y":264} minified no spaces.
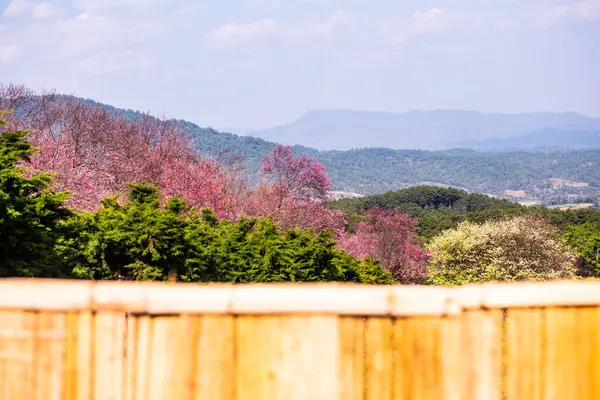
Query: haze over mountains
{"x":436,"y":130}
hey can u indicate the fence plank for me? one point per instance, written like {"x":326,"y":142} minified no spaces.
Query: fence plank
{"x":586,"y":350}
{"x":287,"y":358}
{"x":171,"y":362}
{"x":379,"y":353}
{"x":214,"y":353}
{"x":525,"y":354}
{"x":561,"y":359}
{"x":142,"y":354}
{"x":418,"y":358}
{"x":108,"y":366}
{"x":17,"y":354}
{"x":131,"y":358}
{"x":352,"y":358}
{"x":84,"y":363}
{"x":594,"y":348}
{"x":482,"y":345}
{"x":49,"y":358}
{"x":452,"y":359}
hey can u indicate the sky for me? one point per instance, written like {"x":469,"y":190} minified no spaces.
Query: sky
{"x":251,"y":64}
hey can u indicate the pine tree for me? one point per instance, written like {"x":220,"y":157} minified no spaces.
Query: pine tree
{"x":30,"y":214}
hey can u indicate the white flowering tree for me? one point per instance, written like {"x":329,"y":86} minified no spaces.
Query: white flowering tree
{"x":520,"y":248}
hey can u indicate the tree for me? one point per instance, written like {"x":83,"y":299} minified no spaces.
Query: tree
{"x":294,"y":193}
{"x":520,"y":248}
{"x":290,"y":212}
{"x":585,"y":240}
{"x":95,"y":154}
{"x":389,"y":237}
{"x":30,"y":213}
{"x":299,"y":177}
{"x":146,"y":239}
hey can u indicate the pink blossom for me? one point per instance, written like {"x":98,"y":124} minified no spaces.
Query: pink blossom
{"x":389,"y":237}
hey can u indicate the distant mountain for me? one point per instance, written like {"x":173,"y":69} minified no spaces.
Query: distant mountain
{"x":376,"y":170}
{"x":429,"y":130}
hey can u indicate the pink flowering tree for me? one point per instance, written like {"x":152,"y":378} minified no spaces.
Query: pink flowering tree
{"x":299,"y":177}
{"x":290,"y":212}
{"x":94,"y":154}
{"x":293,"y":193}
{"x":388,"y":236}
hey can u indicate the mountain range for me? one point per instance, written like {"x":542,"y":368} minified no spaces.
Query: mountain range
{"x":435,"y":130}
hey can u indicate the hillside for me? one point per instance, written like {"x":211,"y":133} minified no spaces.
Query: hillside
{"x":431,"y":130}
{"x":378,"y":170}
{"x":437,"y":209}
{"x":545,"y":139}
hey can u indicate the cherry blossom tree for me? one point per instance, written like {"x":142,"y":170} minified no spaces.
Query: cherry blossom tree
{"x":95,"y":154}
{"x":388,"y":236}
{"x":299,"y":177}
{"x":291,"y":212}
{"x":293,"y":192}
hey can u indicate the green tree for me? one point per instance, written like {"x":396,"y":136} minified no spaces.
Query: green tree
{"x":145,"y":240}
{"x":511,"y":249}
{"x":30,"y":214}
{"x":585,"y":239}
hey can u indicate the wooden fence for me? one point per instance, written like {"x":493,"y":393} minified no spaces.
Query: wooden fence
{"x":146,"y":341}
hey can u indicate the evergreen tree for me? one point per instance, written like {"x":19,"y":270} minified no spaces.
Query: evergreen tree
{"x":145,"y":240}
{"x":30,"y":214}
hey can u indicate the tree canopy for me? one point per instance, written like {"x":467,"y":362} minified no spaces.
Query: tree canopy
{"x":30,"y":213}
{"x":142,"y":239}
{"x":511,"y":249}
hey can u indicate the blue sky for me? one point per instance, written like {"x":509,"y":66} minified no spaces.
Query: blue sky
{"x":256,"y":63}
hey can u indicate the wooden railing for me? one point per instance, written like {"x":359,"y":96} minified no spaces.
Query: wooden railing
{"x":122,"y":340}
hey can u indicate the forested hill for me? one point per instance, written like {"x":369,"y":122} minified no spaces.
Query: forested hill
{"x":437,"y":209}
{"x":377,"y":170}
{"x":414,"y":199}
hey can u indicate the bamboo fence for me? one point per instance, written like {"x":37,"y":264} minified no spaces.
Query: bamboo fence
{"x":151,"y":341}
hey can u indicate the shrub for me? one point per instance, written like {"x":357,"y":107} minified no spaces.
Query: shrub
{"x":520,"y":248}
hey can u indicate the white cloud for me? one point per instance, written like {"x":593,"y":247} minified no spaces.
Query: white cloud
{"x":337,"y":20}
{"x":103,"y":5}
{"x":260,"y":31}
{"x":16,"y":8}
{"x":94,"y":42}
{"x":579,"y":10}
{"x":7,"y":52}
{"x":264,"y":3}
{"x":433,"y":20}
{"x":114,"y":61}
{"x":38,"y":10}
{"x":44,"y":10}
{"x":241,"y":34}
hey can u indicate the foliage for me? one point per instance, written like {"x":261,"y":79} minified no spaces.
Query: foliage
{"x":95,"y":154}
{"x":290,"y":212}
{"x":296,"y":176}
{"x":585,"y":239}
{"x":519,"y":248}
{"x":29,"y":213}
{"x":388,"y":236}
{"x":293,"y":196}
{"x":435,"y":208}
{"x":142,"y":240}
